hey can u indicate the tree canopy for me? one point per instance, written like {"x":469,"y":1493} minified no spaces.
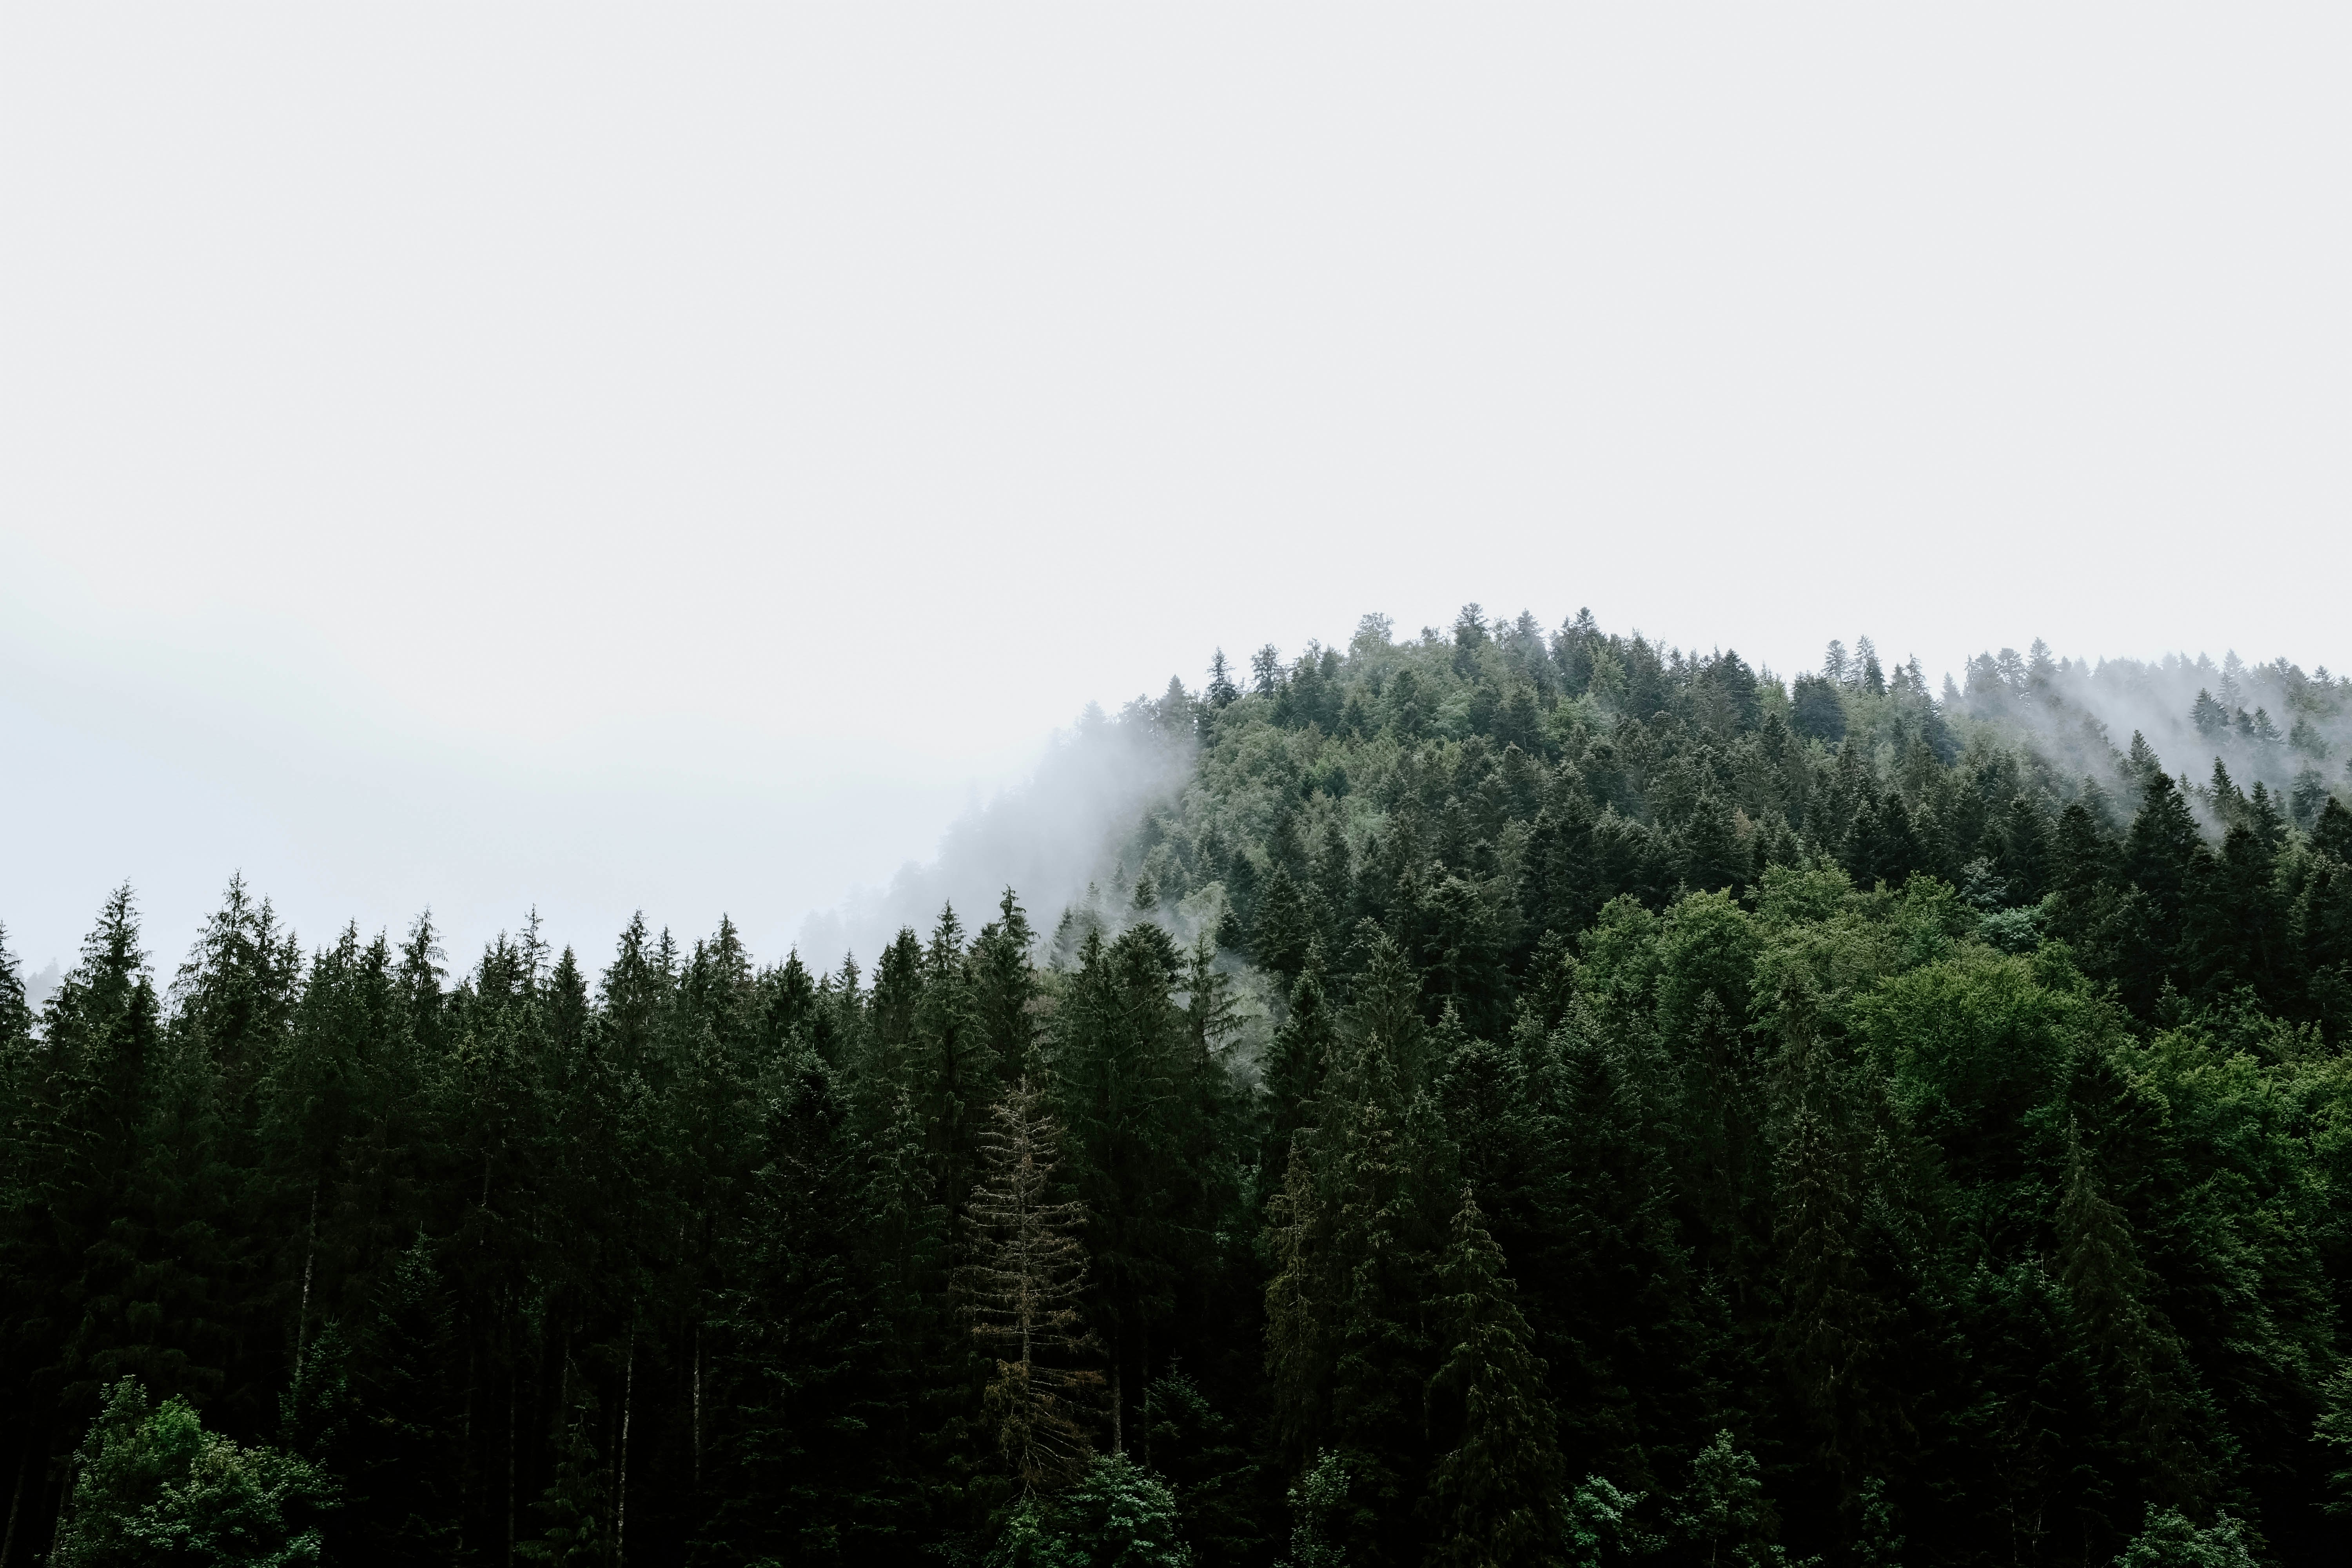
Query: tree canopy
{"x":1525,"y":1097}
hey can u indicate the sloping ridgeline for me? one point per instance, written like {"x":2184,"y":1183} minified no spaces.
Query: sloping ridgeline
{"x":1526,"y":1099}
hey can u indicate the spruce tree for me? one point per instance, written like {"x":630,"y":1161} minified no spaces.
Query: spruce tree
{"x":1295,"y":1070}
{"x":1496,"y":1494}
{"x":16,"y":1017}
{"x":1020,"y":1288}
{"x":1301,"y":1300}
{"x":1283,"y":925}
{"x":1222,"y":691}
{"x":1379,"y":1252}
{"x":2140,"y":1355}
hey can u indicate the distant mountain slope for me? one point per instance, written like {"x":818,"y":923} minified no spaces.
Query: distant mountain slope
{"x":1494,"y":1097}
{"x":1477,"y":789}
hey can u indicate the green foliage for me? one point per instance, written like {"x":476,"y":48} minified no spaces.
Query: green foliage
{"x":1951,"y":1102}
{"x":1115,"y":1515}
{"x":1323,"y":1515}
{"x":1877,"y":1543}
{"x":576,"y":1505}
{"x":2172,"y":1541}
{"x":1213,"y":1471}
{"x":1723,"y":1515}
{"x":1602,"y":1527}
{"x":152,"y":1486}
{"x":2334,"y":1429}
{"x":1496,"y":1492}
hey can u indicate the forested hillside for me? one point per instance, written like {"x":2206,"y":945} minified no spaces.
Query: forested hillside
{"x":1525,"y":1098}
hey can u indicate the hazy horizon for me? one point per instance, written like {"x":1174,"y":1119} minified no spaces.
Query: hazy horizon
{"x":504,"y":459}
{"x":1041,"y":832}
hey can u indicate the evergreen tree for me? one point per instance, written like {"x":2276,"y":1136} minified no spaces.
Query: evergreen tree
{"x":1300,"y":1056}
{"x":2102,"y":1275}
{"x":1284,"y":926}
{"x":575,"y":1505}
{"x":1496,"y":1494}
{"x":2001,"y":1184}
{"x":16,"y":1017}
{"x":1222,"y":691}
{"x":1022,"y":1288}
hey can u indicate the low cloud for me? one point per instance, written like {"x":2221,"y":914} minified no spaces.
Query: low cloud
{"x":1050,"y":839}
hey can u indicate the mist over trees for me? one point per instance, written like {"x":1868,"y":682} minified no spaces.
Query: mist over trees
{"x":1048,"y":835}
{"x":1507,"y":1096}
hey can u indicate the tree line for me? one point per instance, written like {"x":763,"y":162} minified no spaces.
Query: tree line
{"x":1527,"y":1098}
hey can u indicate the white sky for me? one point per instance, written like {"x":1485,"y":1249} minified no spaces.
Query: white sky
{"x":674,"y":456}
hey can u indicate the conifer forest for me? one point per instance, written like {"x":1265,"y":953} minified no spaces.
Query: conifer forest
{"x":1523,"y":1096}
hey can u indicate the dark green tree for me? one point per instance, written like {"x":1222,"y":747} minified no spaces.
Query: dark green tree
{"x":1496,"y":1493}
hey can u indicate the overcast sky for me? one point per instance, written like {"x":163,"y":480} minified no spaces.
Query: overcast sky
{"x":679,"y":457}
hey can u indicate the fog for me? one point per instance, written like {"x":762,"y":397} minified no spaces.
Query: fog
{"x":2272,"y":724}
{"x":589,"y":459}
{"x":1052,"y":840}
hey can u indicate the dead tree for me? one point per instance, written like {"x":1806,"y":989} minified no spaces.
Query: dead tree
{"x":1024,"y":1272}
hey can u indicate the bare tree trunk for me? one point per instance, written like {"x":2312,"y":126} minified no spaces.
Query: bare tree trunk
{"x":563,"y":1392}
{"x":621,"y":1504}
{"x":698,"y":1407}
{"x":15,"y":1502}
{"x":1144,"y":1329}
{"x":65,"y":1506}
{"x":303,"y":1313}
{"x":511,"y":1381}
{"x":466,"y":1467}
{"x":1118,"y":1402}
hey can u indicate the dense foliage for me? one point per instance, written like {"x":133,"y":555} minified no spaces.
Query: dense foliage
{"x":1525,"y":1100}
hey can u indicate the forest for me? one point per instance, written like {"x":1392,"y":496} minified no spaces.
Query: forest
{"x":1521,"y":1096}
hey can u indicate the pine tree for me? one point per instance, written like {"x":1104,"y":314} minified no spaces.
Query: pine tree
{"x":1876,"y":1544}
{"x":1283,"y":927}
{"x":1300,"y":1056}
{"x":1301,"y":1299}
{"x":16,"y":1017}
{"x":1828,"y":1322}
{"x":1021,"y":1289}
{"x":1496,"y":1493}
{"x":103,"y":1065}
{"x":2102,"y":1275}
{"x":1222,"y":691}
{"x":575,"y":1505}
{"x":1873,"y":677}
{"x":1266,"y":669}
{"x":956,"y":1067}
{"x":2333,"y":1428}
{"x":1372,"y":1164}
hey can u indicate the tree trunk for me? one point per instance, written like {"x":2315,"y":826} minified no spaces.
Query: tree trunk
{"x":15,"y":1501}
{"x":465,"y":1464}
{"x":621,"y":1501}
{"x":303,"y":1312}
{"x":697,"y":1408}
{"x":562,"y":1391}
{"x":511,"y":1381}
{"x":1117,"y":1403}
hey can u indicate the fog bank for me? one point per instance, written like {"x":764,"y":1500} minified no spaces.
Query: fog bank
{"x":1049,"y":840}
{"x":2230,"y":726}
